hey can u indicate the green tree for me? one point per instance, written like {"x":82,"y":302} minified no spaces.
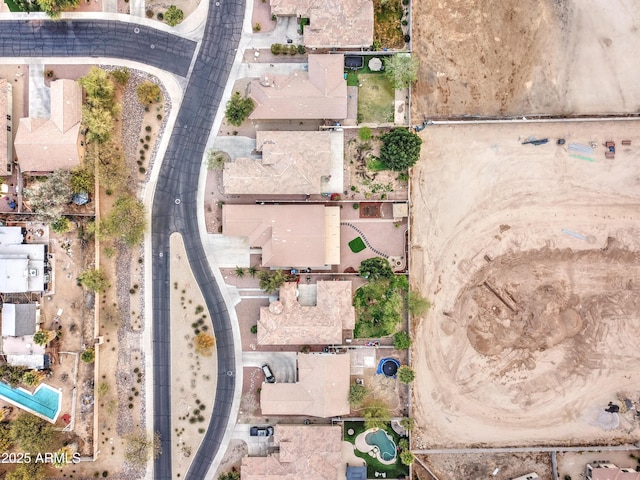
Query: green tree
{"x":88,"y":356}
{"x":5,"y":437}
{"x":28,"y":471}
{"x":407,"y":423}
{"x":417,"y":304}
{"x":401,"y":69}
{"x":83,"y":179}
{"x":406,"y":374}
{"x":406,"y":457}
{"x":32,"y":433}
{"x":60,"y":225}
{"x":376,"y":414}
{"x":240,"y":272}
{"x":401,"y":340}
{"x":173,"y":16}
{"x":126,"y":221}
{"x":270,"y":282}
{"x":121,"y":75}
{"x":148,"y":92}
{"x":140,"y":447}
{"x":380,"y":306}
{"x":42,"y":337}
{"x":94,"y":280}
{"x":50,"y":196}
{"x":32,"y":378}
{"x":364,"y":133}
{"x":252,"y":271}
{"x":375,"y":268}
{"x":11,"y":374}
{"x":99,"y":121}
{"x":400,"y":149}
{"x":357,"y":393}
{"x":238,"y":109}
{"x":215,"y":160}
{"x":100,"y":89}
{"x":53,"y":8}
{"x":233,"y":475}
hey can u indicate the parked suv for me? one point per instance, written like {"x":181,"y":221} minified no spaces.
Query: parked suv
{"x":268,"y":374}
{"x":261,"y":431}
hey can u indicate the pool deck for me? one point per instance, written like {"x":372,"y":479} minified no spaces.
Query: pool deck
{"x":362,"y":445}
{"x":33,"y":395}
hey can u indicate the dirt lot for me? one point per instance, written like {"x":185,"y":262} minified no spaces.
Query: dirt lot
{"x":530,"y":258}
{"x":524,"y":57}
{"x":482,"y":465}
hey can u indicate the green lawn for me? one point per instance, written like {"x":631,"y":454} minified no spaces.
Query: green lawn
{"x":373,"y":465}
{"x":375,"y":99}
{"x":357,"y":245}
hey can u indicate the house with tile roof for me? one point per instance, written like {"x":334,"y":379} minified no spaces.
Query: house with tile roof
{"x":310,"y":452}
{"x":315,"y":314}
{"x":289,"y":235}
{"x":43,"y":145}
{"x":332,"y":23}
{"x":285,"y":168}
{"x":319,"y":92}
{"x":321,"y":390}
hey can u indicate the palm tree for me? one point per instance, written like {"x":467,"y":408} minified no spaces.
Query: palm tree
{"x":240,"y":272}
{"x":253,"y":271}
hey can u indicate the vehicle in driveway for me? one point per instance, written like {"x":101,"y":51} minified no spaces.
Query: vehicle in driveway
{"x":261,"y":431}
{"x":268,"y":374}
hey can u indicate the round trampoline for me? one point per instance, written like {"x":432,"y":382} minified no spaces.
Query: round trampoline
{"x":388,"y":367}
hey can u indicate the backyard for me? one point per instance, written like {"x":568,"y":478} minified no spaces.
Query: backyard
{"x":374,"y":467}
{"x":375,"y":99}
{"x":388,"y":23}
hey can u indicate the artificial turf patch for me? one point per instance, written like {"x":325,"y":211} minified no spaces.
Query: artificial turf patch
{"x":357,"y":245}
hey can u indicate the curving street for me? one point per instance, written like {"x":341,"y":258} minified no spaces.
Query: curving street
{"x":175,"y":205}
{"x":178,"y":180}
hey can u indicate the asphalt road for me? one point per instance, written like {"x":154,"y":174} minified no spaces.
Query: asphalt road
{"x":175,"y":210}
{"x":96,"y":38}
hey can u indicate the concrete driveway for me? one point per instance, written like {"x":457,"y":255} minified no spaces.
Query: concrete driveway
{"x":283,"y":364}
{"x":257,"y":446}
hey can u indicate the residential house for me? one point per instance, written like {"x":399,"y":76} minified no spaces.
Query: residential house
{"x":22,"y":266}
{"x":289,"y":235}
{"x":315,"y":314}
{"x":322,"y":389}
{"x":44,"y":145}
{"x":331,"y":23}
{"x":318,"y":93}
{"x":6,"y":125}
{"x":309,"y":452}
{"x":291,"y":163}
{"x":19,"y":323}
{"x":609,"y":471}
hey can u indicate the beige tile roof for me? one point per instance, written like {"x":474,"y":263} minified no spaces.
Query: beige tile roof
{"x":5,"y":140}
{"x":286,"y":322}
{"x":286,"y":167}
{"x":309,"y":452}
{"x":615,"y":473}
{"x":45,"y":145}
{"x":332,"y":23}
{"x":319,"y":93}
{"x":289,"y":235}
{"x":322,"y":389}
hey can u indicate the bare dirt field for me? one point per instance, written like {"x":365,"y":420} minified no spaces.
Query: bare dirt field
{"x":530,"y":258}
{"x":482,"y":465}
{"x":515,"y":57}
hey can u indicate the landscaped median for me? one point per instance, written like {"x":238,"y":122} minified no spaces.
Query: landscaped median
{"x":193,"y":382}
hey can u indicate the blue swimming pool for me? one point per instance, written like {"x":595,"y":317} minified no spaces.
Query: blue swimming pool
{"x":383,"y":441}
{"x":44,"y":401}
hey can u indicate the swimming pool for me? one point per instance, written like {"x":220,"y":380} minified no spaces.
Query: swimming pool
{"x":382,"y":440}
{"x":44,"y":402}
